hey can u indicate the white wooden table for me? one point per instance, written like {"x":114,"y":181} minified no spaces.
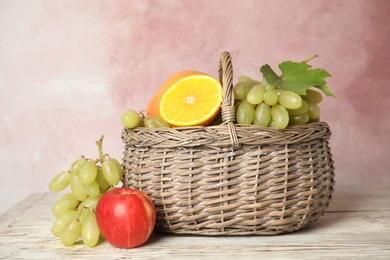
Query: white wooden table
{"x":356,"y":226}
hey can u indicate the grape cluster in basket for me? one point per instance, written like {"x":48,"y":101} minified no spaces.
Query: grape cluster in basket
{"x":260,"y":103}
{"x":281,"y":100}
{"x":74,"y":211}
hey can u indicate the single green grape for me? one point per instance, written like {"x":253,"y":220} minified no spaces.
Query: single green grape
{"x":83,"y":215}
{"x":271,"y":123}
{"x":247,"y":79}
{"x":290,"y":100}
{"x":155,"y":122}
{"x":110,"y":172}
{"x":88,"y":172}
{"x":103,"y":183}
{"x":90,"y":231}
{"x":61,"y":220}
{"x":65,"y":203}
{"x":271,"y":98}
{"x":89,"y":203}
{"x":245,"y":113}
{"x":242,"y":89}
{"x":92,"y":190}
{"x":60,"y":182}
{"x":267,"y":85}
{"x":302,"y":110}
{"x":118,"y":166}
{"x":315,"y":95}
{"x":77,"y":188}
{"x":280,"y":116}
{"x":299,"y":119}
{"x":130,"y":118}
{"x":262,"y":114}
{"x":313,"y":109}
{"x":76,"y":165}
{"x":71,"y":232}
{"x":256,"y":95}
{"x":55,"y":231}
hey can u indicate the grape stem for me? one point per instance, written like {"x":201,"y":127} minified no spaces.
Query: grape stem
{"x":81,"y":211}
{"x":142,"y":115}
{"x":310,"y":58}
{"x":99,"y":144}
{"x":79,"y":215}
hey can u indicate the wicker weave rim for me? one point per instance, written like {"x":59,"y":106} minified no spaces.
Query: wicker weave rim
{"x":221,"y":135}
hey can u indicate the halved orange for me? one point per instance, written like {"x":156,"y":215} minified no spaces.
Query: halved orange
{"x":153,"y":108}
{"x":192,"y":100}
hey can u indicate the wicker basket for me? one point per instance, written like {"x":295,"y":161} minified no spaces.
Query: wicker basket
{"x":231,"y":179}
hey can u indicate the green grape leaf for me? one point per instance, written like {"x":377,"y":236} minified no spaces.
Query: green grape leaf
{"x":326,"y":90}
{"x":297,"y":77}
{"x":270,"y":75}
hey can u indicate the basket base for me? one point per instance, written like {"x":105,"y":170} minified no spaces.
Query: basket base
{"x":284,"y":226}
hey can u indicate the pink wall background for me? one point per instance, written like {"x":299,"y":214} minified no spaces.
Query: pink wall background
{"x":68,"y":69}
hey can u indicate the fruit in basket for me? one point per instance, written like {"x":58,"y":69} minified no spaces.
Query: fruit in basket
{"x":245,"y":113}
{"x":155,"y":122}
{"x":280,"y":116}
{"x":281,"y":100}
{"x":262,"y":114}
{"x":271,"y":97}
{"x":313,"y":108}
{"x":256,"y":94}
{"x":241,"y":89}
{"x":126,"y":217}
{"x":290,"y":100}
{"x":75,"y":212}
{"x":130,"y":118}
{"x":153,"y":108}
{"x":187,"y":98}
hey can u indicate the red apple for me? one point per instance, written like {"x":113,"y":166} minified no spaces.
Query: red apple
{"x":126,"y":217}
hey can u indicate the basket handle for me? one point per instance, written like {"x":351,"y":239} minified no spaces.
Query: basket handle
{"x":228,"y":110}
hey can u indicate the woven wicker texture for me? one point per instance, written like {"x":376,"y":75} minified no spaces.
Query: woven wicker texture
{"x":231,"y":179}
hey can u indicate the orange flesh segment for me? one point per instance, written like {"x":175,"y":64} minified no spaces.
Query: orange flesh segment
{"x":192,"y":101}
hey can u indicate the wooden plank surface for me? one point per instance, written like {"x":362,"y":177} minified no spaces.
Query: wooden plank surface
{"x":356,"y":226}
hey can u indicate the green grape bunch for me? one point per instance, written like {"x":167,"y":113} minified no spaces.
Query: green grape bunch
{"x":281,"y":101}
{"x":74,"y":211}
